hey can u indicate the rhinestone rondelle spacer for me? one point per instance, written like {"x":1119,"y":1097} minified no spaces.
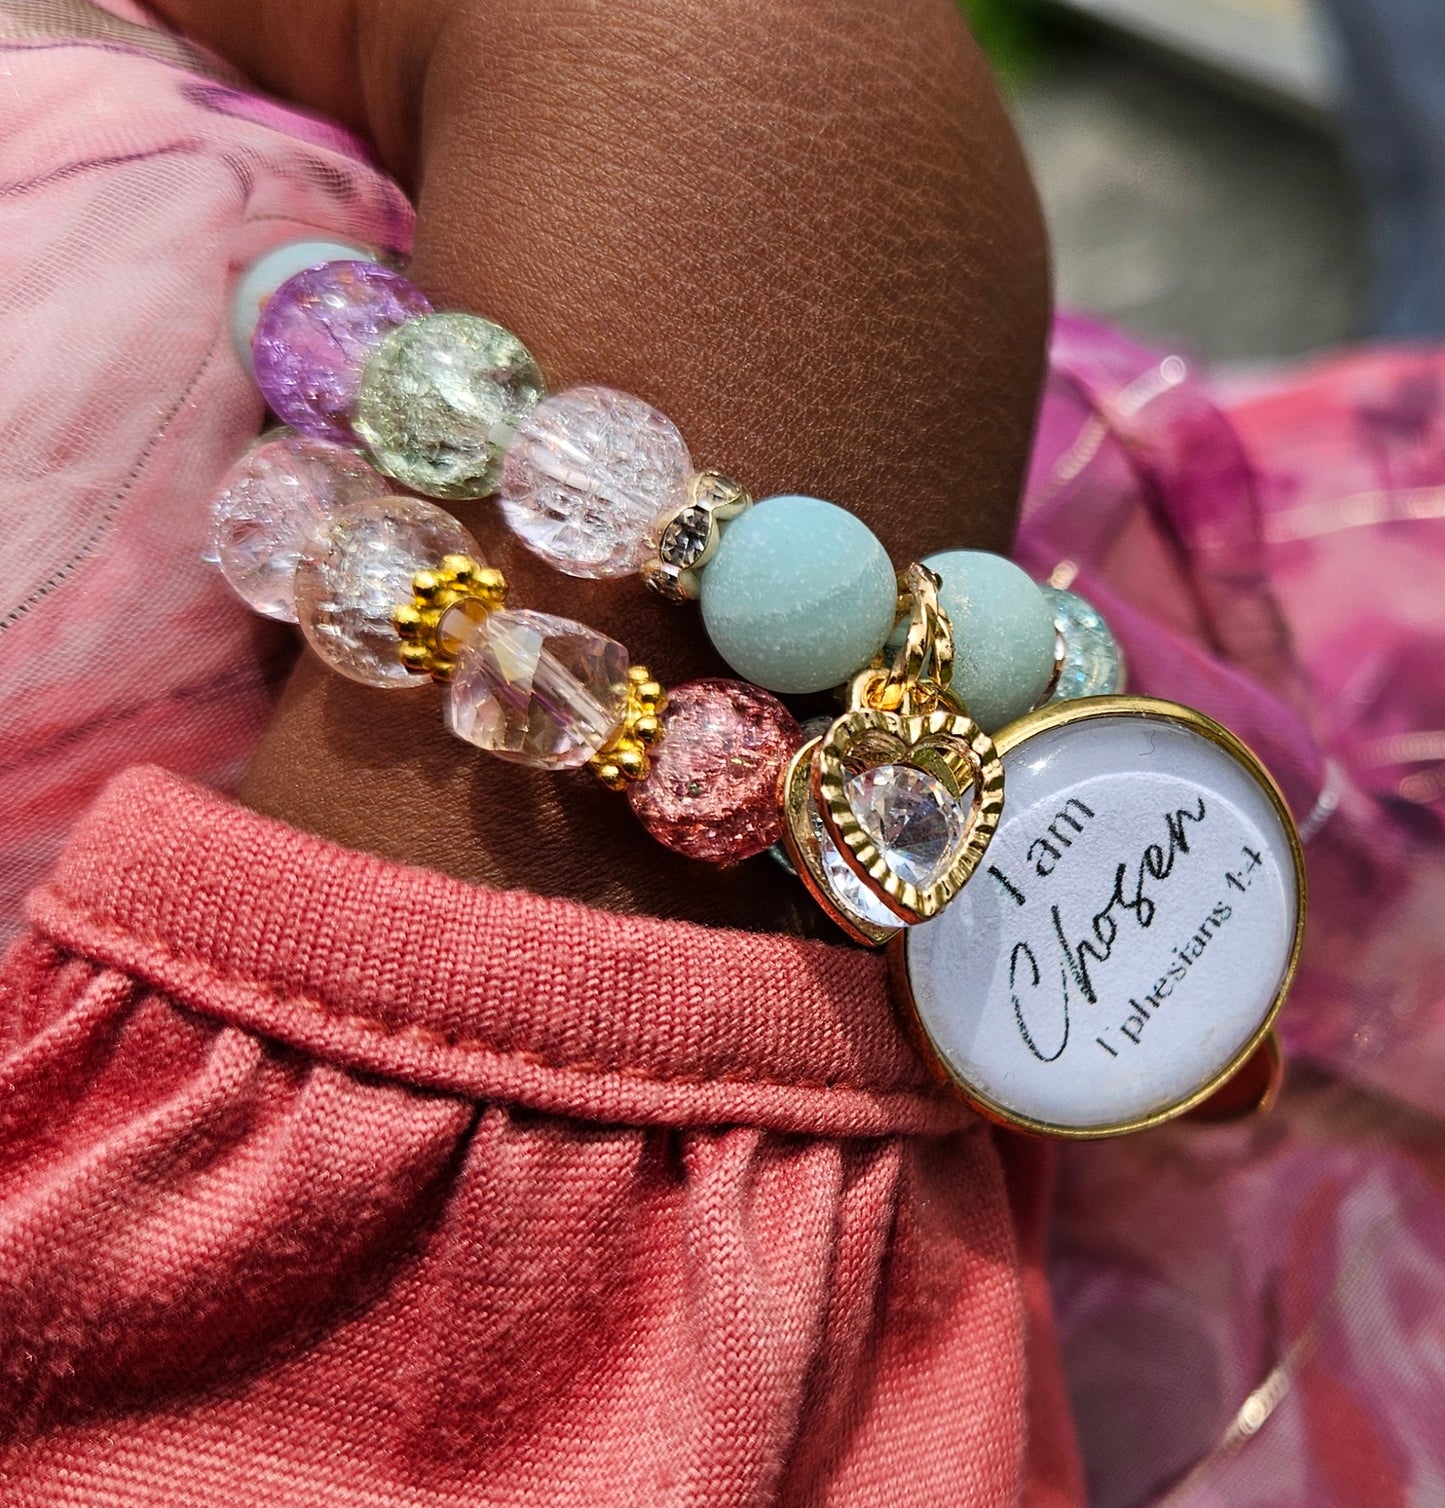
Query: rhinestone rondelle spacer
{"x":459,"y":583}
{"x":686,"y":537}
{"x":623,"y":761}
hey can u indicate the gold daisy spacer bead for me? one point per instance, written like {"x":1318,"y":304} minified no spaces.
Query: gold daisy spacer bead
{"x":609,"y":774}
{"x":631,"y":759}
{"x":622,"y":760}
{"x":460,"y":570}
{"x":456,"y":582}
{"x":409,"y":621}
{"x":425,"y":585}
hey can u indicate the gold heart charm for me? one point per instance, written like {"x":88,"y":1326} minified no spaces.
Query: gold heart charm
{"x":906,"y":718}
{"x":804,"y":837}
{"x":944,"y":744}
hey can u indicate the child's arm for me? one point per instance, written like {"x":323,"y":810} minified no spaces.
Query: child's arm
{"x":803,"y":230}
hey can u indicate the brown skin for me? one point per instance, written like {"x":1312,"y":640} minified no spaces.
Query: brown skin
{"x":802,"y":229}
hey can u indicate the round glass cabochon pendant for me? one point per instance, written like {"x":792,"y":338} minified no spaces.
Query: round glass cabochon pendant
{"x":1131,"y":931}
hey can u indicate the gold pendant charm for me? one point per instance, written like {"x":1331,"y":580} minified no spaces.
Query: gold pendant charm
{"x":904,"y":717}
{"x":1132,"y":936}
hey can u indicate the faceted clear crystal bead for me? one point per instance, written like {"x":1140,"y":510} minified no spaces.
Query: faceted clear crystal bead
{"x":713,"y":790}
{"x":913,"y":821}
{"x":439,"y":402}
{"x":1092,"y":663}
{"x":586,"y":474}
{"x":315,"y":335}
{"x":268,"y":505}
{"x":538,"y":690}
{"x":356,"y":570}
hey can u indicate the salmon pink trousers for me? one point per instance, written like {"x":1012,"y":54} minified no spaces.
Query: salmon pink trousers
{"x":328,"y":1181}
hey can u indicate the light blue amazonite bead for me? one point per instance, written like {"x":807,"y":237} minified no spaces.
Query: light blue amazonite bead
{"x":1003,"y":630}
{"x":799,"y":595}
{"x":266,"y":274}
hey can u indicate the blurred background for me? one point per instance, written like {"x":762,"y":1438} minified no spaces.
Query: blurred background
{"x":1246,"y":179}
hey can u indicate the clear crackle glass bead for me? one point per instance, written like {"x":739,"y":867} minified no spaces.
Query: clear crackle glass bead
{"x":269,"y":504}
{"x":538,"y":690}
{"x":356,"y":570}
{"x":913,"y":821}
{"x":440,"y":400}
{"x":316,"y":334}
{"x":713,"y":789}
{"x":585,"y":476}
{"x":1092,"y":662}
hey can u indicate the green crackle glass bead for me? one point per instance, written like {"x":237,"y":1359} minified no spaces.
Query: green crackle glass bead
{"x":440,"y":399}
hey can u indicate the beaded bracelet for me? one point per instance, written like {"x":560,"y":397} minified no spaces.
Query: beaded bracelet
{"x":885,"y":812}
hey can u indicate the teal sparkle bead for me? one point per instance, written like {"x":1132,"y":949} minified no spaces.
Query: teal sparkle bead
{"x":799,"y":596}
{"x":1003,"y":629}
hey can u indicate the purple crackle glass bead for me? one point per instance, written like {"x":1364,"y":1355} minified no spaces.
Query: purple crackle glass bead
{"x":317,"y":332}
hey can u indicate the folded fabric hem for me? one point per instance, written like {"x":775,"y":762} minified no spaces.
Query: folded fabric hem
{"x":537,"y":1002}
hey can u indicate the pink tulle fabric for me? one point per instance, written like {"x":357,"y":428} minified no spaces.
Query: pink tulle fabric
{"x":135,"y":188}
{"x":1250,"y":1315}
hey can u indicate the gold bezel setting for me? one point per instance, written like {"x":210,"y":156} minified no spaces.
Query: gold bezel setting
{"x":1061,"y":714}
{"x":800,"y":843}
{"x":906,"y":715}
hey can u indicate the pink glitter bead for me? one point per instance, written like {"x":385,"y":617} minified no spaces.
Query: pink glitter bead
{"x":316,"y":334}
{"x":713,"y":790}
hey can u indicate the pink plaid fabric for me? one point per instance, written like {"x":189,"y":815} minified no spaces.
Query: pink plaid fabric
{"x":132,"y":189}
